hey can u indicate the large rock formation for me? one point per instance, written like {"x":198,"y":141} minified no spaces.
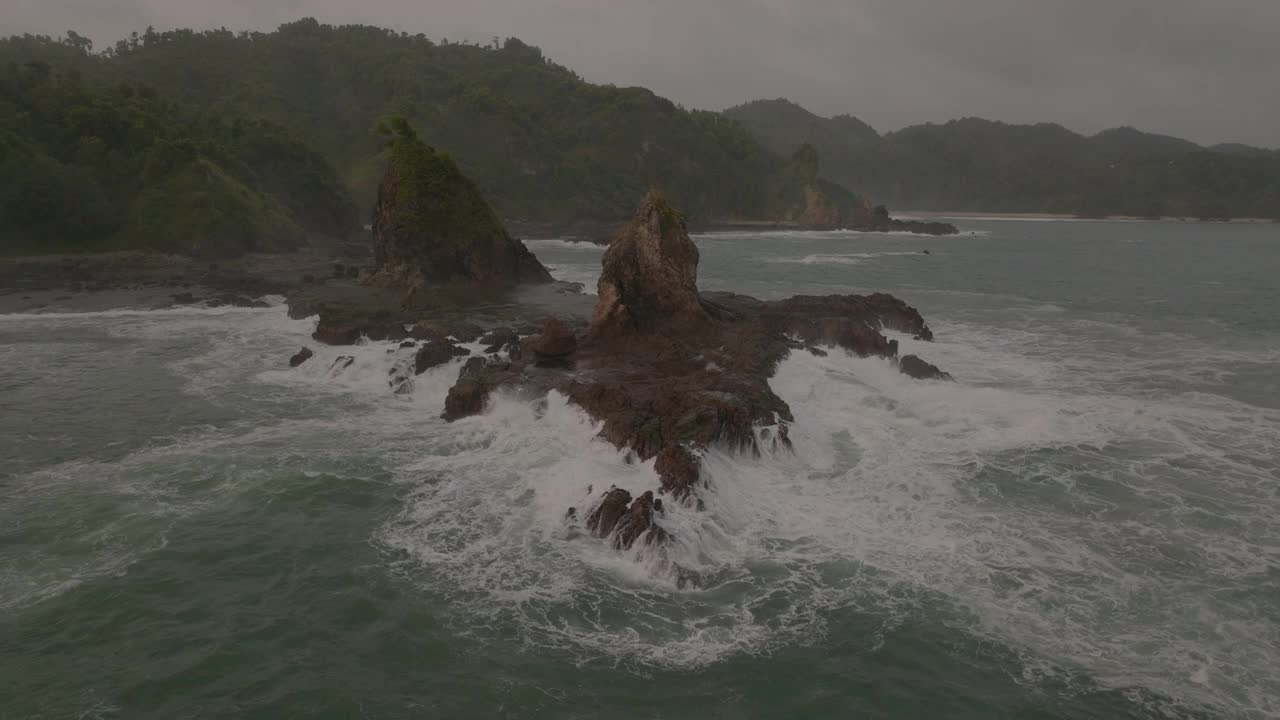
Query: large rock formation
{"x":826,"y":205}
{"x":671,"y":372}
{"x":650,"y":273}
{"x":432,"y":226}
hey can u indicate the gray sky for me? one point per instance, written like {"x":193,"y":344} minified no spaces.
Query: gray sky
{"x":1208,"y":70}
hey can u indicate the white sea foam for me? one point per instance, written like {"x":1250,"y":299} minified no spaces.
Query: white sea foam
{"x":837,"y":258}
{"x":1086,"y":529}
{"x":559,"y":244}
{"x":1035,"y":514}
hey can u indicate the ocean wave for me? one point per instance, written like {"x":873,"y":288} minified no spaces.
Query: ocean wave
{"x":838,"y":258}
{"x":560,"y":244}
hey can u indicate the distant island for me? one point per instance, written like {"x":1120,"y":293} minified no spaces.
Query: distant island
{"x":977,"y":165}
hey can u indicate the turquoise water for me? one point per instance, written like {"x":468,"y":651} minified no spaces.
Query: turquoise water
{"x":1086,"y":524}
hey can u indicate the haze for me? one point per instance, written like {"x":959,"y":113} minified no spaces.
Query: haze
{"x":1195,"y":69}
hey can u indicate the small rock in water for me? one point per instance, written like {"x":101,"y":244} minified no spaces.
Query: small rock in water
{"x":300,"y":357}
{"x":914,"y":366}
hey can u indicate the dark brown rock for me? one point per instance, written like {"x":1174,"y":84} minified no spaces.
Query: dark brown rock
{"x":637,"y":523}
{"x":472,"y":367}
{"x":435,"y":353}
{"x":914,"y":366}
{"x":300,"y":357}
{"x":499,"y":339}
{"x":606,"y":515}
{"x":466,"y":398}
{"x":341,"y":326}
{"x":649,"y":277}
{"x":556,"y":341}
{"x":678,"y":471}
{"x":442,"y":330}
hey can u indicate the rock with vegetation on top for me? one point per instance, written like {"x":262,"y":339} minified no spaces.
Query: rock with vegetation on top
{"x":432,"y":226}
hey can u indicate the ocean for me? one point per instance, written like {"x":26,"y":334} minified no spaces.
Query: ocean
{"x":1086,"y":524}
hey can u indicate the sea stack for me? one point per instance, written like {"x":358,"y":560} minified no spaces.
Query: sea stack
{"x":431,"y":226}
{"x":649,"y":275}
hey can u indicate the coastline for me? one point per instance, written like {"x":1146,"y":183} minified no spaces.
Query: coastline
{"x":1005,"y":216}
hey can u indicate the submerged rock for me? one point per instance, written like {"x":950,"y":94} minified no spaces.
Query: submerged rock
{"x":913,"y":366}
{"x":300,"y":357}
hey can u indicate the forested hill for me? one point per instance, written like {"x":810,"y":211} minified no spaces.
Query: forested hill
{"x":539,"y":141}
{"x":981,"y":165}
{"x":86,"y":168}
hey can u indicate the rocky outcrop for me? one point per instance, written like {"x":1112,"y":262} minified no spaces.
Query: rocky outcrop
{"x":345,"y":326}
{"x":650,"y":274}
{"x":432,"y":226}
{"x":300,"y":357}
{"x":555,"y":342}
{"x":435,"y":353}
{"x":671,"y":372}
{"x":827,"y":206}
{"x":868,"y":218}
{"x":913,"y":366}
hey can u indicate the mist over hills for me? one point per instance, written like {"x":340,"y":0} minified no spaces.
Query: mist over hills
{"x":253,"y":140}
{"x":974,"y":164}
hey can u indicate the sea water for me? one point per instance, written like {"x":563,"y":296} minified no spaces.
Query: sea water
{"x":1085,"y":524}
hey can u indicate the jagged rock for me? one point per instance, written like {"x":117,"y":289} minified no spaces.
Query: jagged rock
{"x":434,"y":330}
{"x":555,"y":342}
{"x":499,"y":339}
{"x":342,"y":362}
{"x":337,"y":326}
{"x":435,"y":353}
{"x":650,"y":274}
{"x":638,"y":523}
{"x":606,"y":515}
{"x":474,"y":366}
{"x":432,"y":226}
{"x":678,"y":471}
{"x":914,"y":366}
{"x":300,"y":357}
{"x":466,"y":398}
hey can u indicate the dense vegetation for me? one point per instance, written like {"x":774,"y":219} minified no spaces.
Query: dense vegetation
{"x":94,"y":167}
{"x":541,"y":143}
{"x":980,"y":165}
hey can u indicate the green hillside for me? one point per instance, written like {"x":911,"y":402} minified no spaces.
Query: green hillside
{"x":541,"y":143}
{"x":981,"y":165}
{"x":87,"y":167}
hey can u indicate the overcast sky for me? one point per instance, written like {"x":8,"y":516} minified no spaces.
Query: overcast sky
{"x":1208,"y":70}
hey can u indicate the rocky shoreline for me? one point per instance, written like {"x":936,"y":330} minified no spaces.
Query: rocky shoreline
{"x":669,"y":371}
